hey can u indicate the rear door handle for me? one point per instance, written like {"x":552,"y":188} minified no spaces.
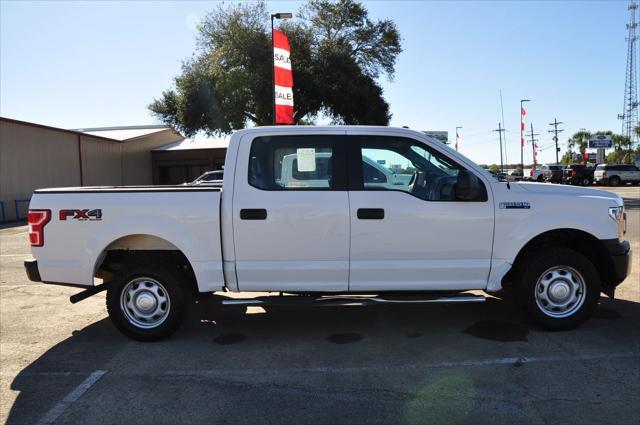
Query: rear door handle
{"x":253,"y":214}
{"x":370,"y":213}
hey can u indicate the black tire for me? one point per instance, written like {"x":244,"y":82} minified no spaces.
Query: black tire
{"x":528,"y":291}
{"x":586,"y":181}
{"x":540,"y":179}
{"x":176,"y":296}
{"x":614,"y":181}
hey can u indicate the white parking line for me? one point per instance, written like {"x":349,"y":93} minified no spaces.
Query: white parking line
{"x":74,"y":395}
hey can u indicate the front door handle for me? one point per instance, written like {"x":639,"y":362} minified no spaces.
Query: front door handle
{"x":253,"y":214}
{"x":370,"y":213}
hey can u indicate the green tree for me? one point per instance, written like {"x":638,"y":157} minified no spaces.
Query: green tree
{"x":493,"y":168}
{"x":580,"y":140}
{"x":615,"y":156}
{"x":337,"y":53}
{"x":619,"y":141}
{"x":567,"y":158}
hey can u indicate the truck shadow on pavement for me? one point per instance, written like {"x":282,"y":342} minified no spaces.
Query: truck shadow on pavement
{"x":296,"y":364}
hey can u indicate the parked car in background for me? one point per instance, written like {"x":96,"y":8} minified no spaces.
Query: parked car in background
{"x":514,"y":175}
{"x":537,"y":174}
{"x":616,"y":174}
{"x":533,"y":174}
{"x":210,"y":177}
{"x":553,"y":173}
{"x":578,"y":174}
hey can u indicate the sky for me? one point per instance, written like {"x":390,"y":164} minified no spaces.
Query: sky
{"x":95,"y":64}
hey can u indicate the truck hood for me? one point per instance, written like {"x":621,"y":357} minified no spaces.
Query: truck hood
{"x":568,"y":191}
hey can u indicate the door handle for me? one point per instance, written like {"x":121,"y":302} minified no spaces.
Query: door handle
{"x":253,"y":214}
{"x":370,"y":213}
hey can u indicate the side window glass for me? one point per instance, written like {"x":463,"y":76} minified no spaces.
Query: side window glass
{"x":409,"y":167}
{"x":291,"y":163}
{"x":372,"y":174}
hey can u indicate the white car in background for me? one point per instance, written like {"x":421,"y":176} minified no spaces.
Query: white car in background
{"x":616,"y":174}
{"x":210,"y":177}
{"x":537,"y":174}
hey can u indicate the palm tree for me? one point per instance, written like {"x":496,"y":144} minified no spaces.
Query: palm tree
{"x":580,"y":140}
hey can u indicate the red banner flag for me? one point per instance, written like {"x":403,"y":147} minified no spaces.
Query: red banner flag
{"x":283,"y":78}
{"x":457,"y":138}
{"x":522,"y":127}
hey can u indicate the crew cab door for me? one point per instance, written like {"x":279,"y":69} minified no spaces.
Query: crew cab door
{"x":413,"y":233}
{"x":291,"y":213}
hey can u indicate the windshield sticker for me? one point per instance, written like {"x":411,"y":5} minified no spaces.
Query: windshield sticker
{"x":306,"y":159}
{"x":514,"y":205}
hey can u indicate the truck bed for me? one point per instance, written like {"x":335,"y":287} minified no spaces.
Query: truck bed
{"x":86,"y":222}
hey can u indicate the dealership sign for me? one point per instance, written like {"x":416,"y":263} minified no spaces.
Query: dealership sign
{"x":600,"y":142}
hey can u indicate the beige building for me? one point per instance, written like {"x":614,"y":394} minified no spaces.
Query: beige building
{"x":35,"y":156}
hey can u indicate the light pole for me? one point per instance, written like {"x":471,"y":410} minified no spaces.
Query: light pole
{"x":273,"y":71}
{"x":522,"y":136}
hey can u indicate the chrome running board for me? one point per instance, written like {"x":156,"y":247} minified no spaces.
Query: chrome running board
{"x":350,"y":300}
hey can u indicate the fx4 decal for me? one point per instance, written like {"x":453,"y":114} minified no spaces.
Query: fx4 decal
{"x":81,"y":215}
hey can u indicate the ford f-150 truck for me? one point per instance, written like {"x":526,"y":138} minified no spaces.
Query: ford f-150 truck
{"x":330,"y":216}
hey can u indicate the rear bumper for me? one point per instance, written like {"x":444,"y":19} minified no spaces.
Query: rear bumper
{"x":620,"y":254}
{"x":31,"y":267}
{"x":33,"y":273}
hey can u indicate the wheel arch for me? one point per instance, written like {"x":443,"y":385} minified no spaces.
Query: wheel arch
{"x":578,"y":240}
{"x":140,"y":248}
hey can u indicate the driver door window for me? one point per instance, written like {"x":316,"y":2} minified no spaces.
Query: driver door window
{"x":409,"y":167}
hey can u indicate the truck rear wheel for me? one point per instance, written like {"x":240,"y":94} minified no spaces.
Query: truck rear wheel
{"x":559,"y":288}
{"x":146,"y":302}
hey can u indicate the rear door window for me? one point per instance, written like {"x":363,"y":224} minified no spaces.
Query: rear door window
{"x":298,"y":163}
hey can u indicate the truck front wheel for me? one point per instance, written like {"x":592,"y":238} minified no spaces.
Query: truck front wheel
{"x":146,"y":302}
{"x":559,"y":288}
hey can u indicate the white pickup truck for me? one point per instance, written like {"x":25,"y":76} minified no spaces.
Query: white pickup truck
{"x":332,"y":215}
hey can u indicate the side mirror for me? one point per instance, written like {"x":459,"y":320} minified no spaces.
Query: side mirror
{"x":468,"y":187}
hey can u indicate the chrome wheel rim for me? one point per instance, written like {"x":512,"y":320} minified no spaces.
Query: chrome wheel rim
{"x":145,"y":302}
{"x":560,"y":291}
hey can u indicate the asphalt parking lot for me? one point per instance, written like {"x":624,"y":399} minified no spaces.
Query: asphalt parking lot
{"x":484,"y":363}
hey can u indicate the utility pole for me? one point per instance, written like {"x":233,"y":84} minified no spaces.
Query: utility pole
{"x":555,"y":130}
{"x":533,"y":145}
{"x":500,"y":130}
